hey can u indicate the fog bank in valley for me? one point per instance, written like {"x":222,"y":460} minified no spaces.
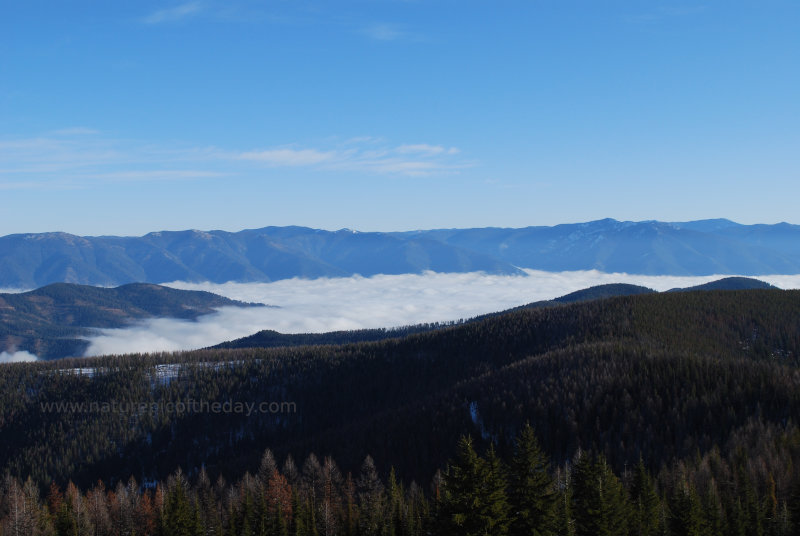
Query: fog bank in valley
{"x":16,"y":357}
{"x":320,"y":305}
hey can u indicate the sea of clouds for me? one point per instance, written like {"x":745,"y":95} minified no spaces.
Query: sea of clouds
{"x":320,"y":305}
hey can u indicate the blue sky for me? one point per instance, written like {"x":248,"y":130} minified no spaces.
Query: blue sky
{"x":135,"y":116}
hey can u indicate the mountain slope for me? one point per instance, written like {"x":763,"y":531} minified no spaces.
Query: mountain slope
{"x":663,"y":375}
{"x":51,"y":321}
{"x":272,"y":339}
{"x":686,"y":248}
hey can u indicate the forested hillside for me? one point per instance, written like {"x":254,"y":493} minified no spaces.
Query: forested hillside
{"x":53,"y":321}
{"x":272,"y":339}
{"x":664,"y":376}
{"x":699,"y":391}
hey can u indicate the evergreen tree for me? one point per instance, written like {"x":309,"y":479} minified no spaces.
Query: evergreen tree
{"x":600,"y":502}
{"x":371,"y":497}
{"x":496,"y":510}
{"x":349,"y":512}
{"x":754,"y":513}
{"x":474,"y":502}
{"x":178,"y":518}
{"x":418,"y":511}
{"x":685,"y":512}
{"x":565,"y":525}
{"x":60,"y":508}
{"x":531,"y":490}
{"x":396,"y":506}
{"x":645,"y":518}
{"x":713,"y":511}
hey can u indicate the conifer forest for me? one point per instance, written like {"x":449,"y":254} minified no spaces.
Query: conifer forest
{"x":656,"y":414}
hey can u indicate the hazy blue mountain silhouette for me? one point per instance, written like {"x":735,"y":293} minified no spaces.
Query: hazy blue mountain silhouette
{"x":702,"y":247}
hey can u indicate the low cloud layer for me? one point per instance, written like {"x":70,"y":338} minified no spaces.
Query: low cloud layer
{"x":16,"y":357}
{"x":321,"y":305}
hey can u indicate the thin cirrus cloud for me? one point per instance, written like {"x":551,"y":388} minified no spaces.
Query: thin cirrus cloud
{"x":290,"y":157}
{"x":79,"y":158}
{"x":362,"y":155}
{"x":424,"y":148}
{"x":174,"y":14}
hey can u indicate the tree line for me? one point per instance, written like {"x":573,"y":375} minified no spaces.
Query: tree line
{"x":473,"y":495}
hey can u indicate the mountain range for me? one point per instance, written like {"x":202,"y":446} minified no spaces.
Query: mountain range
{"x":702,"y":247}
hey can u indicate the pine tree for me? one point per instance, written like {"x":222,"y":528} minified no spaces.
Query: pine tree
{"x":531,"y":489}
{"x":713,"y":511}
{"x":197,"y":527}
{"x":178,"y":516}
{"x":394,"y":523}
{"x":565,"y":525}
{"x":495,"y":515}
{"x":97,"y":506}
{"x":60,"y":508}
{"x":77,"y":504}
{"x":686,"y":515}
{"x":645,"y":502}
{"x":371,"y":497}
{"x":349,"y":513}
{"x":418,"y":511}
{"x":474,"y":501}
{"x":752,"y":506}
{"x":600,"y":503}
{"x":330,"y":499}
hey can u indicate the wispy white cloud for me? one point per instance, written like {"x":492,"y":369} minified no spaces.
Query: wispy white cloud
{"x":320,"y":305}
{"x":424,"y":148}
{"x":290,"y":157}
{"x":365,"y":155}
{"x":82,"y":158}
{"x":175,"y":13}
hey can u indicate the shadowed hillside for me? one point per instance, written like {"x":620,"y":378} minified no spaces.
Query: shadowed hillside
{"x":52,"y":321}
{"x":660,"y":375}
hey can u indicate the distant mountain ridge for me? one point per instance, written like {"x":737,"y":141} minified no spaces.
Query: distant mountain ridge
{"x":702,"y":247}
{"x":53,"y":321}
